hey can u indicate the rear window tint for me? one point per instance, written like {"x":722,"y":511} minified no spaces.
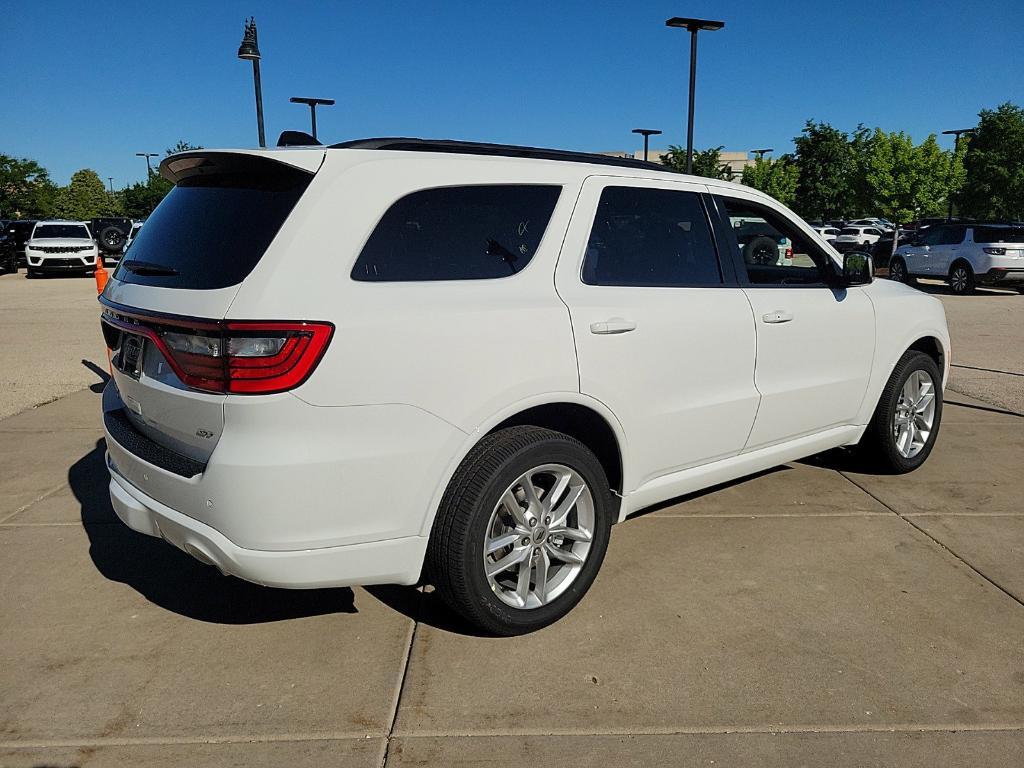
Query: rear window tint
{"x":212,"y":229}
{"x":999,"y":234}
{"x":458,"y":233}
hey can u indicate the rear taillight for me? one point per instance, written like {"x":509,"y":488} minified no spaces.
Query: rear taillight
{"x":789,"y":253}
{"x":995,"y":251}
{"x":237,"y":357}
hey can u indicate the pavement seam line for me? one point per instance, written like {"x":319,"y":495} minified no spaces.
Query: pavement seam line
{"x":46,"y":495}
{"x":943,"y":546}
{"x":401,"y":680}
{"x":737,"y":730}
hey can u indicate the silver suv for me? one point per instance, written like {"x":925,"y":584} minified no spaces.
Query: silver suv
{"x":964,"y":255}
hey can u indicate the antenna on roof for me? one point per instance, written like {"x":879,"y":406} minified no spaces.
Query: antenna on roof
{"x":296,"y":139}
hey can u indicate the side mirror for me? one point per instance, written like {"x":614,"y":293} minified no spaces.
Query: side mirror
{"x":858,"y":268}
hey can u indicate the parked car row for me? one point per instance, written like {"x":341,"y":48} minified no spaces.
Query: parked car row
{"x":63,"y":246}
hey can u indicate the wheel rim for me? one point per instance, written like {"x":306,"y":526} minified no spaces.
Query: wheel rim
{"x":538,"y":536}
{"x":959,"y":279}
{"x":914,"y":416}
{"x":897,"y":272}
{"x":763,"y":255}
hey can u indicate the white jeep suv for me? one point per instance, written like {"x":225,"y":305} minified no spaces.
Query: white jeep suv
{"x":60,"y":246}
{"x":964,"y":255}
{"x":394,"y":360}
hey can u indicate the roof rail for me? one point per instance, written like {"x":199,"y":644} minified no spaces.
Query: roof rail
{"x":401,"y":144}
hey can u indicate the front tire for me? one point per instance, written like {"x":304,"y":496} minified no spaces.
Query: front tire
{"x":522,"y":530}
{"x":898,"y":271}
{"x":906,"y":421}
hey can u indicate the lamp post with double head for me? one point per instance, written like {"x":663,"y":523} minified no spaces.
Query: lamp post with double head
{"x":250,"y":50}
{"x":312,"y":103}
{"x":693,"y":26}
{"x":952,"y":162}
{"x":149,"y":167}
{"x":646,"y":133}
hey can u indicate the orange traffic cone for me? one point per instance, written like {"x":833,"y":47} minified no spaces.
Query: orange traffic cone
{"x":101,"y":275}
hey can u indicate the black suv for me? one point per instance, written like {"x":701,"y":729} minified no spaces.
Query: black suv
{"x":20,"y":231}
{"x":110,"y":234}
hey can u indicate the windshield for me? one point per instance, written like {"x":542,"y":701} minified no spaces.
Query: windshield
{"x":72,"y":231}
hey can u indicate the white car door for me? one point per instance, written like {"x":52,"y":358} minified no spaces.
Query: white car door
{"x":815,"y":343}
{"x":663,"y":337}
{"x":918,"y":256}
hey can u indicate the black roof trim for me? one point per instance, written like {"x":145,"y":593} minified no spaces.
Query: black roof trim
{"x":401,"y":144}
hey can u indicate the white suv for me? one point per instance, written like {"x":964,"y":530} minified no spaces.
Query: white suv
{"x":850,"y":237}
{"x":964,"y":255}
{"x":395,"y":360}
{"x":60,"y":246}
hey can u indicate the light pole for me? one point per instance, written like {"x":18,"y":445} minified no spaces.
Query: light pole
{"x":760,"y":152}
{"x":646,"y":133}
{"x":694,"y":26}
{"x":110,"y":180}
{"x":312,"y":103}
{"x":251,"y":51}
{"x":952,"y":163}
{"x":147,"y":155}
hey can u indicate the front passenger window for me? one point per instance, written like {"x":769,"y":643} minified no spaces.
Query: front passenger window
{"x":773,"y":251}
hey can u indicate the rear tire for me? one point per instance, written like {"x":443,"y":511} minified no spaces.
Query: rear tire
{"x":884,"y":445}
{"x":486,"y":503}
{"x":961,"y":279}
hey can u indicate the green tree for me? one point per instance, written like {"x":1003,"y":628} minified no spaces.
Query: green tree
{"x":85,"y":197}
{"x":826,"y":166}
{"x":994,"y":165}
{"x":707,"y":163}
{"x":778,"y":178}
{"x":26,"y":190}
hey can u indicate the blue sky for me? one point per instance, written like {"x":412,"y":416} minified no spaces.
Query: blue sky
{"x":576,"y":75}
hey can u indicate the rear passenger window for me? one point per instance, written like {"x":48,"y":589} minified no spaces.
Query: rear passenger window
{"x":458,"y":233}
{"x":650,"y":237}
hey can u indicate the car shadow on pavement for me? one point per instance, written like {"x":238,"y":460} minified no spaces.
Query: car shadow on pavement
{"x":175,"y":581}
{"x":424,"y":605}
{"x":104,"y":376}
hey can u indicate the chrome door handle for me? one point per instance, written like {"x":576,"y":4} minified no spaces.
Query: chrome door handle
{"x":778,"y":316}
{"x":613,"y":326}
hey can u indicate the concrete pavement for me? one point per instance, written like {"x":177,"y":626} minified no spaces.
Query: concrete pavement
{"x":815,"y":614}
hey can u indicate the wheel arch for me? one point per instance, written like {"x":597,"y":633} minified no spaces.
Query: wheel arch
{"x":957,"y":261}
{"x":582,"y":417}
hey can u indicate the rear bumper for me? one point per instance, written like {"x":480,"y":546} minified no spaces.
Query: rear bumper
{"x":1002,"y":276}
{"x":392,"y":561}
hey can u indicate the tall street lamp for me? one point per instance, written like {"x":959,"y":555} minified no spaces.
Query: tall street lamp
{"x":761,"y":152}
{"x":646,"y":133}
{"x":952,"y":162}
{"x":250,"y":50}
{"x":110,"y":180}
{"x":694,"y":26}
{"x":147,"y":155}
{"x":312,"y":103}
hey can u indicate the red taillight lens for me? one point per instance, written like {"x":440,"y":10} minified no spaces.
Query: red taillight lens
{"x":273,"y":357}
{"x":240,"y":357}
{"x":789,"y":253}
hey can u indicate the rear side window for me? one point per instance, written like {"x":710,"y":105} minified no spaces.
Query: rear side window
{"x":999,"y":234}
{"x":213,"y":228}
{"x":650,"y":237}
{"x":458,"y":233}
{"x":952,"y":235}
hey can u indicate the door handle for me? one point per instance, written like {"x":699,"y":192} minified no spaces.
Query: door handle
{"x":613,"y":326}
{"x":778,"y":316}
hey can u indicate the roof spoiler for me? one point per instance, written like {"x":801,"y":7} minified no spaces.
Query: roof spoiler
{"x":297,"y":139}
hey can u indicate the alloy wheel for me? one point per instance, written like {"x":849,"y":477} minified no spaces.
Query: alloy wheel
{"x":914,"y":415}
{"x":538,"y":536}
{"x":959,"y":280}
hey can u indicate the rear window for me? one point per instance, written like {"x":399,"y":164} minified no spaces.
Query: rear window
{"x":53,"y":231}
{"x":850,"y":231}
{"x":458,"y":233}
{"x":213,"y":228}
{"x":999,"y":234}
